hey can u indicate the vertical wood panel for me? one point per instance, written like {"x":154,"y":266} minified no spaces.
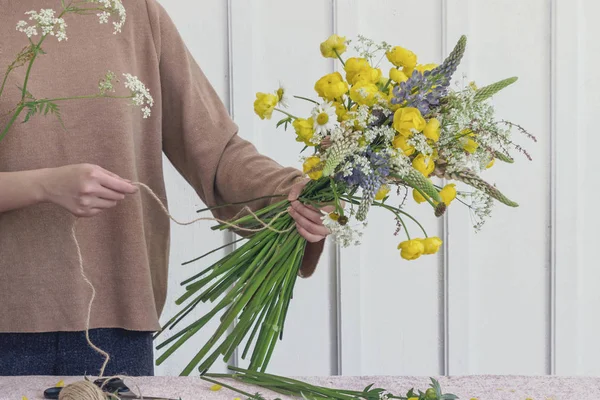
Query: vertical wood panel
{"x":400,"y":320}
{"x":273,"y":41}
{"x":209,"y":47}
{"x":510,"y":257}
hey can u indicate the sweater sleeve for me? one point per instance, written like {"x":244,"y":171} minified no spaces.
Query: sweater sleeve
{"x":201,"y":140}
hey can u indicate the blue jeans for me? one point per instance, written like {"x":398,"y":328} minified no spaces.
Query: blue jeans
{"x":68,"y":354}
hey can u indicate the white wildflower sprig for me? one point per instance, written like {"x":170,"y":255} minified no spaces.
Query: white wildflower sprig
{"x":106,"y":83}
{"x":419,"y":142}
{"x":112,"y":8}
{"x":140,"y":94}
{"x":46,"y":22}
{"x":346,"y":235}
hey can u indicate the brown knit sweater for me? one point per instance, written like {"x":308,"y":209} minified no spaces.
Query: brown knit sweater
{"x":125,"y":249}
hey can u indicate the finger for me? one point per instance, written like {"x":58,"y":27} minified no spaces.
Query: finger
{"x":102,"y":204}
{"x":309,"y":213}
{"x":297,"y":190}
{"x":307,"y":235}
{"x":308,"y":225}
{"x":117,"y":184}
{"x":115,"y":175}
{"x":109,"y":194}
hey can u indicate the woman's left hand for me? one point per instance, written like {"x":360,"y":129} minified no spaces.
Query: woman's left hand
{"x":308,"y":219}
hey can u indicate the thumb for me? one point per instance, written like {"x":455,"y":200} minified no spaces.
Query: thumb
{"x":297,"y":189}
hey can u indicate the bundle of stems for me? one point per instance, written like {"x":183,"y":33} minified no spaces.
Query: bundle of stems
{"x":254,"y":284}
{"x":296,"y":388}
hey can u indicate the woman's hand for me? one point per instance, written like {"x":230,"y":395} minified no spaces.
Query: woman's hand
{"x":308,"y":219}
{"x":85,"y":190}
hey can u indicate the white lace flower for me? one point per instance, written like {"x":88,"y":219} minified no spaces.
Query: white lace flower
{"x":325,"y":118}
{"x":45,"y":21}
{"x":112,"y":8}
{"x":140,"y":94}
{"x":346,"y":235}
{"x":419,"y":142}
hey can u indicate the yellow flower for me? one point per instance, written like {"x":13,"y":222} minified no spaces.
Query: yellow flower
{"x":265,"y":104}
{"x":400,"y":142}
{"x":312,"y":167}
{"x":408,"y":119}
{"x":334,"y":46}
{"x":432,"y":130}
{"x":354,"y":66}
{"x":491,"y":163}
{"x":418,"y":197}
{"x":304,"y":130}
{"x":382,"y":192}
{"x":401,"y":57}
{"x":216,"y":388}
{"x":364,"y":93}
{"x":411,"y":249}
{"x":448,"y":193}
{"x":397,"y":76}
{"x":331,"y":86}
{"x":425,"y":67}
{"x":423,"y":164}
{"x":470,"y":145}
{"x":431,"y":245}
{"x":371,"y":75}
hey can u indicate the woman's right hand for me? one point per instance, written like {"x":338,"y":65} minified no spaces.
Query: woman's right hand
{"x":85,"y":190}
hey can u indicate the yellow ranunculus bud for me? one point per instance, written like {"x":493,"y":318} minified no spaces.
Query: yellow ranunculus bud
{"x":491,"y":163}
{"x":401,"y":142}
{"x":265,"y":104}
{"x":334,"y":46}
{"x":411,"y":249}
{"x":304,"y":130}
{"x":364,"y":93}
{"x":408,"y":119}
{"x":432,"y":245}
{"x":448,"y":193}
{"x":370,"y":75}
{"x":423,"y":164}
{"x":382,"y":192}
{"x":312,"y":167}
{"x":331,"y":86}
{"x":432,"y":130}
{"x":418,"y":197}
{"x":401,"y":57}
{"x":397,"y":76}
{"x":355,"y":65}
{"x":425,"y":67}
{"x":470,"y":145}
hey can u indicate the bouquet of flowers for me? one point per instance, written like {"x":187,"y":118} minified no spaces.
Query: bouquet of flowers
{"x":366,"y":134}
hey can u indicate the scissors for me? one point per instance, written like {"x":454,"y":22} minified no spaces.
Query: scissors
{"x":115,"y":386}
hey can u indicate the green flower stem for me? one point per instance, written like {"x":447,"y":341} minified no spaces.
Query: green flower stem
{"x":285,"y":112}
{"x":93,"y":96}
{"x":426,"y":197}
{"x":12,"y":121}
{"x":339,"y":58}
{"x":206,"y":378}
{"x":213,"y":251}
{"x":387,"y":84}
{"x":307,"y":99}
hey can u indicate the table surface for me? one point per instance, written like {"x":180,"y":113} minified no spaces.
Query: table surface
{"x":465,"y":387}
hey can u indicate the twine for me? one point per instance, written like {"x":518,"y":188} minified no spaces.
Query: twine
{"x":86,"y":390}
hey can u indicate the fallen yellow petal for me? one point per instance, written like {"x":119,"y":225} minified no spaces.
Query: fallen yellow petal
{"x":24,"y":398}
{"x":60,"y":384}
{"x":216,"y":388}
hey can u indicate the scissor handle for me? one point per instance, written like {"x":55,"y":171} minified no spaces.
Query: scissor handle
{"x":112,"y":385}
{"x":52,"y":393}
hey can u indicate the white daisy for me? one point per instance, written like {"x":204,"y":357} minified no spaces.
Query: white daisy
{"x":284,"y":99}
{"x":325,"y":118}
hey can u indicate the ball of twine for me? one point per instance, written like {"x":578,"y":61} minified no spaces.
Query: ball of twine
{"x":82,"y":390}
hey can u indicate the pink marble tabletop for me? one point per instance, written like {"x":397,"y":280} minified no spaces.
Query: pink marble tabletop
{"x":465,"y":387}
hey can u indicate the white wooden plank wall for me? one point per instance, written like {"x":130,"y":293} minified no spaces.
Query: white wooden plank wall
{"x":521,"y":296}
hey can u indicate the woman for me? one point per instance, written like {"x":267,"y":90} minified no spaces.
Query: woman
{"x":49,"y":175}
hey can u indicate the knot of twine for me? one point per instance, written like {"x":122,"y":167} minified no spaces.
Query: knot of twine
{"x":86,"y":390}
